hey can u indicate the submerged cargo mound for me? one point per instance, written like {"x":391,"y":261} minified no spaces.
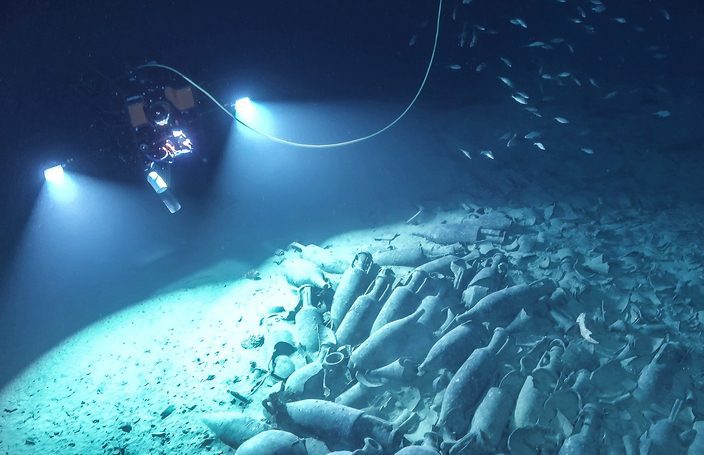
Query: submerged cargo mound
{"x":558,"y":328}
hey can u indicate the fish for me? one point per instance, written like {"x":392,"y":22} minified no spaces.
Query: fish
{"x":665,"y":14}
{"x":474,"y":39}
{"x":512,"y":141}
{"x":533,"y":110}
{"x":466,"y":153}
{"x":413,"y":40}
{"x":587,"y":151}
{"x":599,"y":9}
{"x":506,"y":61}
{"x":564,"y":74}
{"x":523,"y":94}
{"x":506,"y":81}
{"x":576,"y":81}
{"x":593,"y":82}
{"x":518,"y":21}
{"x":620,"y":20}
{"x":662,"y":114}
{"x":539,"y":145}
{"x":535,"y":44}
{"x":546,"y":76}
{"x":480,"y":67}
{"x":487,"y":153}
{"x":583,"y":330}
{"x":610,"y":95}
{"x":576,"y":20}
{"x":561,"y":120}
{"x":505,"y":136}
{"x":569,"y":46}
{"x":581,"y":12}
{"x":455,"y":66}
{"x":533,"y":135}
{"x":519,"y":99}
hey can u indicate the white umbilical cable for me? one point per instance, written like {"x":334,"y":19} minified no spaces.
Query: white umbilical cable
{"x":305,"y":145}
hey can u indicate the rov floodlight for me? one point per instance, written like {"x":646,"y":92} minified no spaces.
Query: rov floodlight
{"x":157,"y":182}
{"x":244,"y":107}
{"x":54,"y":174}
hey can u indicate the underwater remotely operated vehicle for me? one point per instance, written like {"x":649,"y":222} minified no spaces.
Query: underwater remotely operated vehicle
{"x":161,"y":117}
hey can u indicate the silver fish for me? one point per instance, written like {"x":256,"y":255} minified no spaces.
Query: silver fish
{"x":519,"y":99}
{"x":665,"y":14}
{"x":539,"y":145}
{"x":466,"y":153}
{"x":593,"y":82}
{"x":455,"y":67}
{"x":662,"y":114}
{"x":506,"y":61}
{"x":474,"y":39}
{"x":487,"y":153}
{"x":533,"y":111}
{"x":620,"y":20}
{"x":610,"y":95}
{"x":532,"y":135}
{"x":512,"y":141}
{"x":561,"y":120}
{"x":518,"y":21}
{"x":480,"y":67}
{"x":506,"y":81}
{"x":587,"y":151}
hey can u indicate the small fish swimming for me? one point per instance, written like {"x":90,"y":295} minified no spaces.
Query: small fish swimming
{"x":506,"y":81}
{"x":593,"y":82}
{"x":535,"y":44}
{"x":662,"y":114}
{"x":610,"y":95}
{"x":533,"y":110}
{"x":480,"y":67}
{"x":587,"y":151}
{"x":473,"y":42}
{"x":562,"y":120}
{"x":413,"y":40}
{"x":665,"y":14}
{"x":506,"y":61}
{"x":518,"y":21}
{"x":539,"y":145}
{"x":487,"y":153}
{"x":599,"y":9}
{"x":519,"y":99}
{"x":620,"y":20}
{"x":455,"y":67}
{"x":512,"y":141}
{"x":466,"y":153}
{"x":564,"y":74}
{"x":532,"y":135}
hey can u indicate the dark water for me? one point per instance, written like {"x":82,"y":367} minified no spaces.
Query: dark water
{"x":617,"y":96}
